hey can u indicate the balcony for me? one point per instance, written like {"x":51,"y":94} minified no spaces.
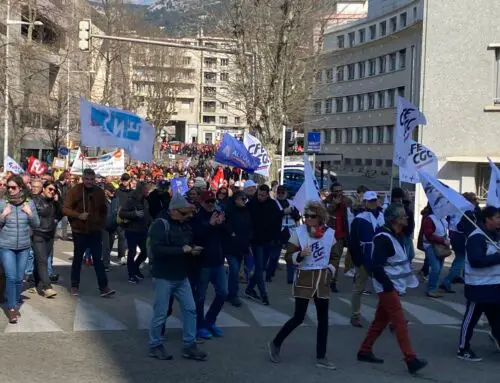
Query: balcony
{"x":209,"y":92}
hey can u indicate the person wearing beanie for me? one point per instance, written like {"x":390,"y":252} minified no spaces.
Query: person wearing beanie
{"x":250,"y":188}
{"x":199,"y":183}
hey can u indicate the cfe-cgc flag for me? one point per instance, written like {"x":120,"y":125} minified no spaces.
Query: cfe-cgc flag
{"x":420,"y":158}
{"x":256,"y":149}
{"x":12,"y":166}
{"x":232,"y":152}
{"x":408,"y":117}
{"x":494,"y":187}
{"x":309,"y":191}
{"x":105,"y":127}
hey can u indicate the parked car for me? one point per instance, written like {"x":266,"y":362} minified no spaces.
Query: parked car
{"x":294,"y":177}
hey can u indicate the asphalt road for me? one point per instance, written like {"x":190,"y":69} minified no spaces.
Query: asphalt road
{"x":91,"y":339}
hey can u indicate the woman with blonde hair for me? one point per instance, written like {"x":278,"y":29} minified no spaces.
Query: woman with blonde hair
{"x":309,"y":248}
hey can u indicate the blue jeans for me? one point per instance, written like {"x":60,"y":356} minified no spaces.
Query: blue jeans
{"x":50,"y":260}
{"x":216,"y":276}
{"x":409,"y":249}
{"x":182,"y":291}
{"x":233,"y":277}
{"x":290,"y":272}
{"x":30,"y":262}
{"x":436,"y":265}
{"x":261,"y":255}
{"x":272,"y":263}
{"x":458,"y":263}
{"x":14,"y":264}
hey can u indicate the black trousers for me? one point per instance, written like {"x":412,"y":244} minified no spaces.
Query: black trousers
{"x":297,"y":319}
{"x":42,"y":249}
{"x":471,"y":317}
{"x":134,"y":239}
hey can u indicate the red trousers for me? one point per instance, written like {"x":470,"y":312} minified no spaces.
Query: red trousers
{"x":389,"y":311}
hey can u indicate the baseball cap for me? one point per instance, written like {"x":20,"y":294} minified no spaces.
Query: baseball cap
{"x":370,"y":196}
{"x":249,"y":184}
{"x":207,"y":195}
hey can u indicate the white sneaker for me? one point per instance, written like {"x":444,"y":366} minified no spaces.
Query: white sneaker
{"x":324,"y":363}
{"x":350,"y":273}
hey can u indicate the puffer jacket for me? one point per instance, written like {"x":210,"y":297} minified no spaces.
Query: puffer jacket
{"x":50,"y":212}
{"x":15,"y":228}
{"x":129,"y":213}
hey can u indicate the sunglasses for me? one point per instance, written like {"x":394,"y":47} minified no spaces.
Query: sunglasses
{"x":311,"y":216}
{"x":12,"y":187}
{"x":210,"y":201}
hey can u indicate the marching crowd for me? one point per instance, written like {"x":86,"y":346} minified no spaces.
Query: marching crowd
{"x":188,"y":237}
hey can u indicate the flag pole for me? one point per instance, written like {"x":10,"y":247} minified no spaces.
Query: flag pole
{"x":486,"y":235}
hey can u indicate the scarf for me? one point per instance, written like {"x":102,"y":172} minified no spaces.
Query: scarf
{"x":17,"y":199}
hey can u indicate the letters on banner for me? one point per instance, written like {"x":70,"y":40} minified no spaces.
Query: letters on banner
{"x":256,"y":149}
{"x":12,"y":166}
{"x":420,"y":158}
{"x":109,"y":164}
{"x":36,"y":167}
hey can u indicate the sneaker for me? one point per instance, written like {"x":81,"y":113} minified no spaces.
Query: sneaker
{"x":54,"y":278}
{"x":274,"y":352}
{"x":74,"y":291}
{"x":333,"y":287}
{"x":468,"y":355}
{"x":252,"y":294}
{"x":193,"y":352}
{"x":139,"y":275}
{"x":236,"y":302}
{"x":216,"y":331}
{"x":367,"y":292}
{"x":49,"y":293}
{"x":12,"y":315}
{"x":350,"y":273}
{"x":107,"y":269}
{"x":369,"y":357}
{"x":494,"y":341}
{"x":415,"y":365}
{"x":203,"y":333}
{"x":434,"y":294}
{"x":133,"y":279}
{"x":446,"y":289}
{"x":122,"y":261}
{"x":265,"y":301}
{"x":324,"y":363}
{"x":159,"y":352}
{"x":107,"y":292}
{"x":355,"y":322}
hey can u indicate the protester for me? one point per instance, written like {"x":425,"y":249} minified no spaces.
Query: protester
{"x":109,"y":231}
{"x":122,"y":195}
{"x":250,"y":188}
{"x":222,"y":198}
{"x":159,"y":198}
{"x":399,"y":196}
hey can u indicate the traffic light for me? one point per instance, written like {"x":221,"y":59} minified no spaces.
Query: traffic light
{"x":84,"y":35}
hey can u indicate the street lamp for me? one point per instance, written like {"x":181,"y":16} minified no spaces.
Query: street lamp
{"x":9,"y":22}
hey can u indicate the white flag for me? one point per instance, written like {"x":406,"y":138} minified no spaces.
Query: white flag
{"x":105,"y":127}
{"x":408,"y":117}
{"x":443,"y":200}
{"x":309,"y":191}
{"x":387,"y":202}
{"x":420,"y":158}
{"x":494,"y":187}
{"x":12,"y":166}
{"x":256,"y":149}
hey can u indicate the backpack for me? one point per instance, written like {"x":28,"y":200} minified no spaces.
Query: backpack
{"x":166,"y":224}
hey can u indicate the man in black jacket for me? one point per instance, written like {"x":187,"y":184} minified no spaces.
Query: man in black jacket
{"x":159,"y":198}
{"x":171,"y":246}
{"x":122,"y":195}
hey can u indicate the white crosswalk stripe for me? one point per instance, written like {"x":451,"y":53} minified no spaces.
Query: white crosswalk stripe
{"x":32,"y":321}
{"x":90,"y":318}
{"x":428,"y":316}
{"x":367,"y":312}
{"x":333,"y":317}
{"x":460,"y":308}
{"x":144,"y":312}
{"x":265,"y":315}
{"x":226,"y":320}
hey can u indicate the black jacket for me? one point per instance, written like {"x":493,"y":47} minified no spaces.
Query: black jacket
{"x":122,"y":195}
{"x":210,"y":237}
{"x":50,"y":212}
{"x":157,"y":202}
{"x":266,"y":221}
{"x":128,"y":212}
{"x":240,"y":230}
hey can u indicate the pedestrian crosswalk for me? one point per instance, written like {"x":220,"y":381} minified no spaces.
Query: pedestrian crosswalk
{"x":127,"y":313}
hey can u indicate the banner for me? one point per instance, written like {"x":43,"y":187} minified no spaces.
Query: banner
{"x":36,"y":167}
{"x":443,"y":200}
{"x":258,"y":150}
{"x":109,"y":164}
{"x":420,"y":158}
{"x":232,"y":152}
{"x":12,"y":166}
{"x":407,"y":118}
{"x":179,"y":185}
{"x":309,"y":191}
{"x":494,"y":187}
{"x":105,"y":127}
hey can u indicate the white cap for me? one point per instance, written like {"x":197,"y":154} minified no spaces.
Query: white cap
{"x":369,"y":196}
{"x":249,"y":184}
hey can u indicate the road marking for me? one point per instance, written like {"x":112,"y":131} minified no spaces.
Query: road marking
{"x":459,"y":328}
{"x":60,"y":262}
{"x":333,"y":317}
{"x":90,"y":318}
{"x":144,"y":312}
{"x":367,"y":312}
{"x":226,"y":320}
{"x":460,"y":308}
{"x":266,"y":316}
{"x":428,"y":316}
{"x":32,"y":320}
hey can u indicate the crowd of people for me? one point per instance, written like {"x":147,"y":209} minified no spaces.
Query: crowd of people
{"x":223,"y":217}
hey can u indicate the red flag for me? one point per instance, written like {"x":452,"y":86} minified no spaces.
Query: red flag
{"x":217,"y":179}
{"x":36,"y":167}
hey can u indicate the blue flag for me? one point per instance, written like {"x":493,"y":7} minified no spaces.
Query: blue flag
{"x":179,"y":185}
{"x":232,"y":152}
{"x":102,"y":126}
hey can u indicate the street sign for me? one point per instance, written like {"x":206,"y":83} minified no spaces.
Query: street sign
{"x":63,"y":151}
{"x":313,"y":142}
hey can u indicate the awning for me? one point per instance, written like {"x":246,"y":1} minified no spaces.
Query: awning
{"x":472,"y":159}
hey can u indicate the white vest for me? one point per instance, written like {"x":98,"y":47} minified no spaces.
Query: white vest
{"x":397,"y":268}
{"x":320,"y":248}
{"x":482,"y":276}
{"x":441,"y":229}
{"x":376,"y":222}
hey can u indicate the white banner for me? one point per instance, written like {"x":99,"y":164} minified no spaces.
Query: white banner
{"x":309,"y":191}
{"x":408,"y":117}
{"x":256,"y":149}
{"x":12,"y":166}
{"x":494,"y":187}
{"x":420,"y":158}
{"x":109,"y":164}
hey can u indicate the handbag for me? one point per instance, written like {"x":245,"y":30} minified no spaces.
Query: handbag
{"x":441,"y":251}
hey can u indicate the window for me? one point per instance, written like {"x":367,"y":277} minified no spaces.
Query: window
{"x":402,"y":58}
{"x":401,"y":91}
{"x":237,"y":105}
{"x":53,"y":71}
{"x":383,"y":28}
{"x":371,"y":100}
{"x":211,"y":45}
{"x":329,"y":75}
{"x":373,"y":32}
{"x":319,"y":76}
{"x":496,"y":98}
{"x":350,"y":103}
{"x":361,"y":101}
{"x":328,"y":106}
{"x":347,"y":161}
{"x":237,"y":120}
{"x":186,"y":60}
{"x":381,"y":100}
{"x":359,"y":135}
{"x":350,"y":71}
{"x":379,"y":162}
{"x":391,"y":93}
{"x":317,"y":107}
{"x":369,"y":135}
{"x":402,"y":20}
{"x":368,"y":162}
{"x":393,"y":24}
{"x":340,"y":41}
{"x":223,"y":120}
{"x":381,"y":64}
{"x":362,"y":69}
{"x":209,"y":119}
{"x":372,"y":67}
{"x":224,"y":105}
{"x":361,"y":35}
{"x":390,"y":131}
{"x":339,"y":104}
{"x":388,"y":163}
{"x":209,"y":106}
{"x":349,"y":135}
{"x":327,"y":133}
{"x":340,"y":73}
{"x":224,"y":62}
{"x":224,"y":76}
{"x":358,"y":162}
{"x":392,"y":62}
{"x":210,"y":77}
{"x":352,"y":39}
{"x":209,"y":91}
{"x":338,"y":136}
